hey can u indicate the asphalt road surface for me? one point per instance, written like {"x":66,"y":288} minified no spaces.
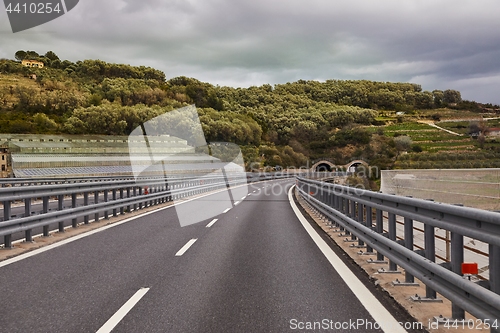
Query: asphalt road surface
{"x":253,"y":269}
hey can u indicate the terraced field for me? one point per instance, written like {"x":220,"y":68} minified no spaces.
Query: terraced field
{"x":444,"y":150}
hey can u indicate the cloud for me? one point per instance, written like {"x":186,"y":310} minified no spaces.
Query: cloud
{"x":243,"y":43}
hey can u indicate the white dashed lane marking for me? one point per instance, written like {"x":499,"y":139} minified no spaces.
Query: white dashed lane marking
{"x":185,"y":247}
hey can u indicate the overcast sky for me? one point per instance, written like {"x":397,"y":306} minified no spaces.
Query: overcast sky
{"x":440,"y":44}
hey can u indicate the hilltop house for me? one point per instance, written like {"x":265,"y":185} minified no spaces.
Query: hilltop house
{"x":32,"y":63}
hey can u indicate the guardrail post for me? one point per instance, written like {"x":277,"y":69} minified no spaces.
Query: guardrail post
{"x":347,"y":212}
{"x":335,"y":203}
{"x":140,"y":194}
{"x":352,"y":214}
{"x":335,"y":200}
{"x":7,"y":212}
{"x":121,"y":197}
{"x":27,"y":207}
{"x":368,"y":223}
{"x":106,"y":199}
{"x":494,"y":262}
{"x":114,"y":199}
{"x":361,"y":217}
{"x":430,"y":253}
{"x":60,"y":203}
{"x":73,"y":205}
{"x":408,"y":239}
{"x":351,"y":209}
{"x":332,"y":203}
{"x":28,"y":237}
{"x":494,"y":265}
{"x":86,"y":203}
{"x":379,"y":228}
{"x":344,"y":209}
{"x":45,"y":210}
{"x":128,"y":196}
{"x":393,"y":268}
{"x":339,"y":202}
{"x":457,"y":258}
{"x":135,"y":194}
{"x":96,"y":201}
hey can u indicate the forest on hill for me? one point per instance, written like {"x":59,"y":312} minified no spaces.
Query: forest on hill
{"x":283,"y":124}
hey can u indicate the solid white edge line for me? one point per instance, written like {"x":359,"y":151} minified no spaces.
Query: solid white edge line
{"x":379,"y":313}
{"x":227,"y":210}
{"x":211,"y":223}
{"x":89,"y":233}
{"x":122,"y":312}
{"x":185,"y":247}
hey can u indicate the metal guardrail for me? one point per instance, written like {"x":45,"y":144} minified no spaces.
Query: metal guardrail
{"x":360,"y":213}
{"x":109,"y":196}
{"x":125,"y":195}
{"x":10,"y":182}
{"x":14,"y":182}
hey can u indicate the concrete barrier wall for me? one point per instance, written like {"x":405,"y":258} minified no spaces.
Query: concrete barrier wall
{"x":478,"y":188}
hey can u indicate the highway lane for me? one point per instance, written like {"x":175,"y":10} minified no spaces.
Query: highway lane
{"x":255,"y":269}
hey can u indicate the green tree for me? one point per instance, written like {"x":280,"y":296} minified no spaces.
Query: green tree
{"x":51,"y":55}
{"x":452,"y":96}
{"x":32,"y":55}
{"x":403,"y":144}
{"x":20,"y":55}
{"x":438,"y":98}
{"x":44,"y":124}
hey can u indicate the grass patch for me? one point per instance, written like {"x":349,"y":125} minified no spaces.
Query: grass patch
{"x":408,"y":126}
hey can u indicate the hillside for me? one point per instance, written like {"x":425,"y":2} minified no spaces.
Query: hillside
{"x":286,"y":124}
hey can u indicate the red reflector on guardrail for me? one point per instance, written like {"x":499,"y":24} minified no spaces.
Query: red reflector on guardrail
{"x":469,"y":268}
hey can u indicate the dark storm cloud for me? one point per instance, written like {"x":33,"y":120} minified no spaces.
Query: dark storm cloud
{"x":440,"y":44}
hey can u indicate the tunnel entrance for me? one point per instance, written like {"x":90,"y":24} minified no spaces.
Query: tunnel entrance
{"x":323,"y":167}
{"x":354,"y":167}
